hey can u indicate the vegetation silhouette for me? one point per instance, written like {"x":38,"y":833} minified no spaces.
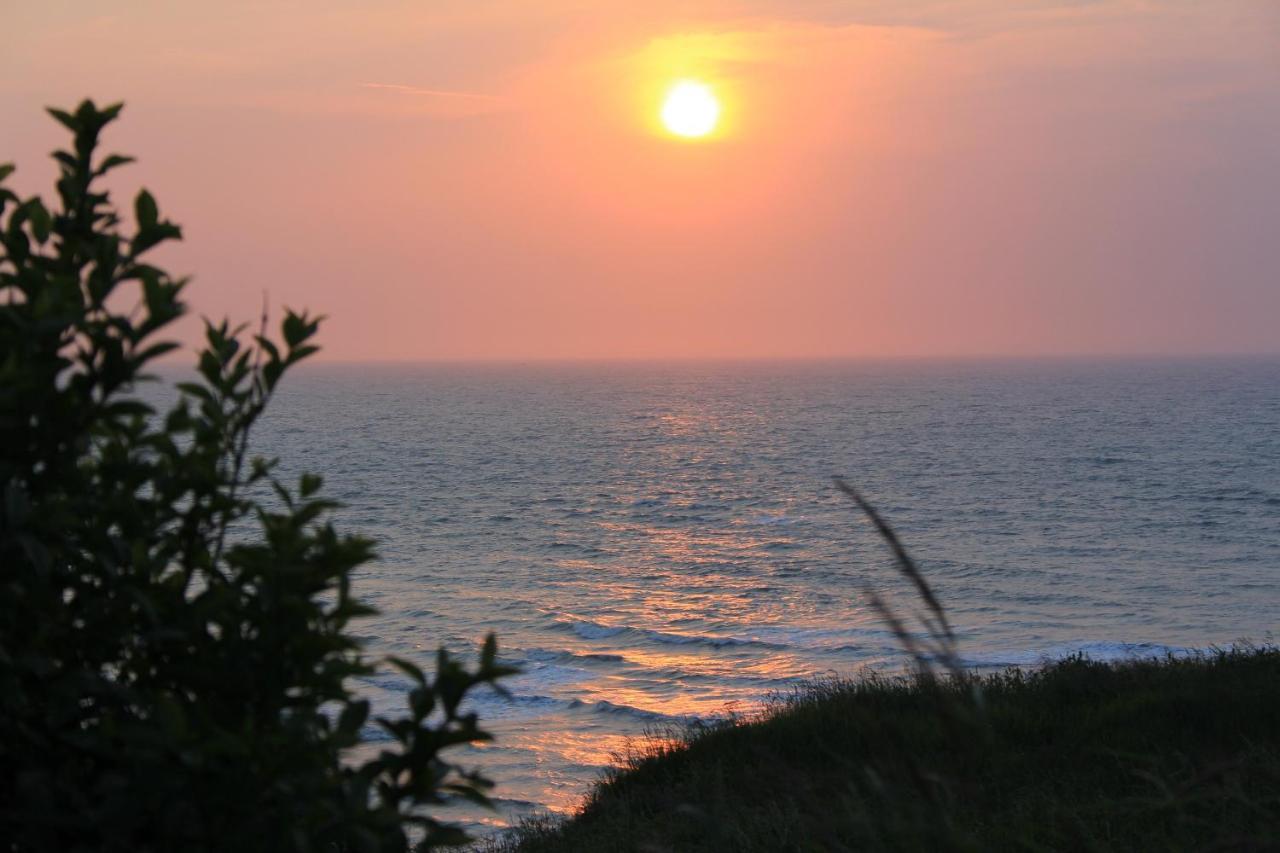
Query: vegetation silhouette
{"x":175,"y":653}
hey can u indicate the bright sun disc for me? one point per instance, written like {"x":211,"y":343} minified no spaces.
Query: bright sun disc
{"x":690,"y":109}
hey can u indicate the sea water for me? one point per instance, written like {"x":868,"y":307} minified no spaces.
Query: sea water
{"x":658,"y":543}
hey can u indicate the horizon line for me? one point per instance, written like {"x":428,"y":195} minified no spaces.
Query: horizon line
{"x":783,"y":359}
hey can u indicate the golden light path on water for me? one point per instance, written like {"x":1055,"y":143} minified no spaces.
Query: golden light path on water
{"x":638,"y":654}
{"x":684,"y":663}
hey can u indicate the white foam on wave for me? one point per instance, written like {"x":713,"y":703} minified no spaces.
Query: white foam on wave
{"x":595,"y":631}
{"x":524,"y":657}
{"x":821,"y":639}
{"x":603,"y":706}
{"x":810,"y":639}
{"x":1096,"y":650}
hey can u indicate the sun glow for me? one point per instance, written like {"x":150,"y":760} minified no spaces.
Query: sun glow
{"x":690,"y":109}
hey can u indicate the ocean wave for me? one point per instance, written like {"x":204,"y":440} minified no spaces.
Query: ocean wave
{"x":493,"y":706}
{"x":1243,"y":494}
{"x":516,"y":705}
{"x":522,"y":657}
{"x":603,"y":706}
{"x":822,"y":639}
{"x":774,"y":519}
{"x":595,"y":631}
{"x":591,"y":630}
{"x":1102,"y":651}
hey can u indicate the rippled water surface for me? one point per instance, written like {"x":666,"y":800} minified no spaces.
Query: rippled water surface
{"x":651,"y":542}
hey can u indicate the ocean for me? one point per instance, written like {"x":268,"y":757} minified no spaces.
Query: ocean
{"x":659,"y":543}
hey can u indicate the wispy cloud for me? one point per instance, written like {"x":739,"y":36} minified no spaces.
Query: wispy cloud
{"x":437,"y":102}
{"x":431,"y":93}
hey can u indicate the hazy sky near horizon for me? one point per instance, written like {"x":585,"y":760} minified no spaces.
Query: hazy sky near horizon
{"x":487,"y":179}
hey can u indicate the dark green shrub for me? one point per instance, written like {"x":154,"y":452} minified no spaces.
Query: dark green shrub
{"x":174,"y":654}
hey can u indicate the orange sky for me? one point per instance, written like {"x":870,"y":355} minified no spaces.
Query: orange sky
{"x":486,"y":180}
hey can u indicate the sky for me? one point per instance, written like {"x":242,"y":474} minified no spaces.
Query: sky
{"x":489,"y":180}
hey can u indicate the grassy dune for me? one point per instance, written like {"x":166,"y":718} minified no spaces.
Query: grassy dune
{"x":1175,"y":754}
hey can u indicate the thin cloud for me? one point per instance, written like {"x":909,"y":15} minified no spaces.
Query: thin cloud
{"x":431,"y":93}
{"x":441,"y":103}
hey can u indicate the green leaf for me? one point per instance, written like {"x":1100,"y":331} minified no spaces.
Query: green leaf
{"x":65,"y":118}
{"x":489,"y":652}
{"x":267,"y":344}
{"x":293,"y":330}
{"x":309,"y":484}
{"x":408,"y":668}
{"x":299,"y":353}
{"x":155,"y":351}
{"x":471,"y":794}
{"x":422,"y":701}
{"x":353,"y":716}
{"x":112,"y":162}
{"x":195,"y":389}
{"x":41,"y":221}
{"x":6,"y":169}
{"x":144,"y":208}
{"x":67,"y":161}
{"x":129,"y":408}
{"x":154,"y":235}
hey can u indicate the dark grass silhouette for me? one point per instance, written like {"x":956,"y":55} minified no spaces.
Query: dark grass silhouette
{"x":1175,"y":754}
{"x":1180,"y":753}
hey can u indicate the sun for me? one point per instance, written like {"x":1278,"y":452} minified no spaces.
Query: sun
{"x":690,"y":109}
